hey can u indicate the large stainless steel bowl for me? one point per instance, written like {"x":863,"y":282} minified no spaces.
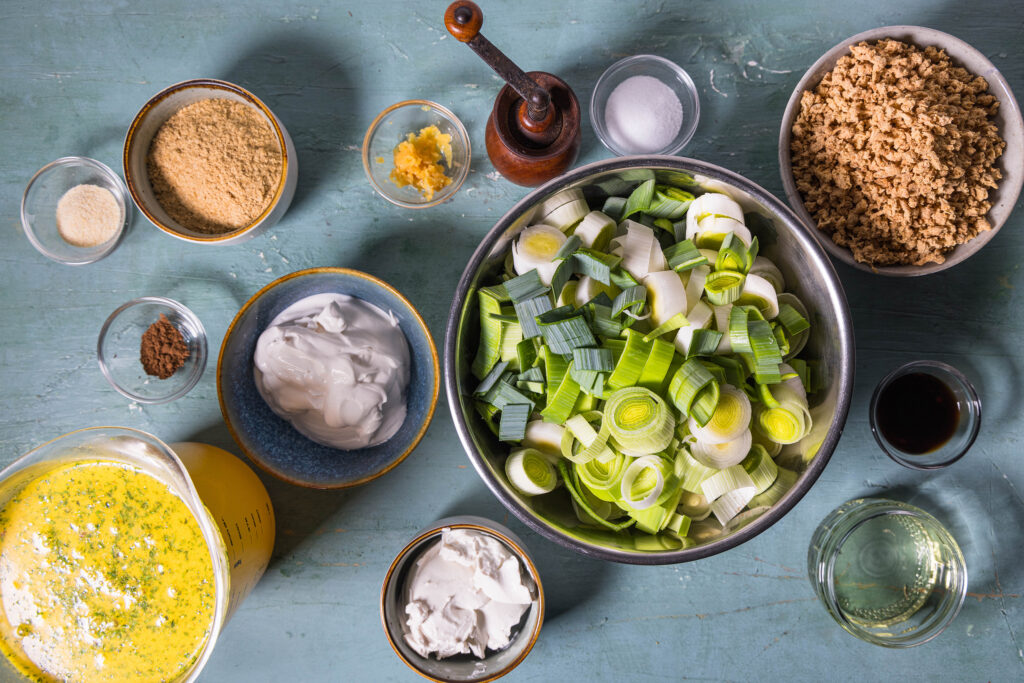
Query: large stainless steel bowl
{"x":783,"y":239}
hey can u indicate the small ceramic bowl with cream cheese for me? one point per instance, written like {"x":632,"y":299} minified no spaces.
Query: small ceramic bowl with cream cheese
{"x":328,"y":378}
{"x":392,"y":128}
{"x":486,"y":571}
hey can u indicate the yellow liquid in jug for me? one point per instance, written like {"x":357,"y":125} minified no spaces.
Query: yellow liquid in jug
{"x":104,"y":576}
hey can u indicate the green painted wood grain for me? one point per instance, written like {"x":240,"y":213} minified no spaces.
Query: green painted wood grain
{"x":72,"y":74}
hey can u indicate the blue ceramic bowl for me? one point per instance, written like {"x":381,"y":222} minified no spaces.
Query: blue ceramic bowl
{"x":271,"y":442}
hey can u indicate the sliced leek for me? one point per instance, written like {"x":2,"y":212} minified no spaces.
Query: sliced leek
{"x":638,"y":491}
{"x":595,"y":230}
{"x":660,"y":354}
{"x":530,"y":472}
{"x":730,"y":419}
{"x":639,"y":420}
{"x":536,"y":247}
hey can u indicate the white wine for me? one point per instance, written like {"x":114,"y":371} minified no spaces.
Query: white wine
{"x":888,"y":572}
{"x":885,"y":570}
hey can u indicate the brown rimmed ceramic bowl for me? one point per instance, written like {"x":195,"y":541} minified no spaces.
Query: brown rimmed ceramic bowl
{"x":1008,"y":119}
{"x":463,"y":668}
{"x":161,"y":107}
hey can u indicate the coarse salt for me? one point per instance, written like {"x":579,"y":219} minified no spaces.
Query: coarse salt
{"x":88,"y":215}
{"x":643,"y":115}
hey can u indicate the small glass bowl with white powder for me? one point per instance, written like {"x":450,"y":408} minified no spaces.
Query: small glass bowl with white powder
{"x":425,"y":608}
{"x":75,"y":210}
{"x":644,"y":104}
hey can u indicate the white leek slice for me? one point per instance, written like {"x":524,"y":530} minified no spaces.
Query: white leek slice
{"x":746,"y":517}
{"x":633,"y":472}
{"x":587,"y":288}
{"x":711,"y":204}
{"x":693,"y":472}
{"x":530,"y":472}
{"x":641,"y":254}
{"x":783,"y":483}
{"x":793,"y":384}
{"x":710,"y":254}
{"x":730,"y":419}
{"x":546,"y":437}
{"x":722,"y":314}
{"x":711,"y":232}
{"x":536,"y":247}
{"x":787,"y":423}
{"x":760,"y":293}
{"x":705,"y":530}
{"x":729,"y":479}
{"x":595,"y":230}
{"x":770,"y":272}
{"x":568,"y":294}
{"x":731,"y":502}
{"x":563,"y":209}
{"x":694,"y":505}
{"x":699,"y":317}
{"x":666,"y":295}
{"x":695,"y":285}
{"x":722,"y":455}
{"x":639,"y":420}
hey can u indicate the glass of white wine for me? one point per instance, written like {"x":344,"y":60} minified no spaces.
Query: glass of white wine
{"x":888,"y":572}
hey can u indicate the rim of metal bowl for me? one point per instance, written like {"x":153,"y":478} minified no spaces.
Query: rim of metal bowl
{"x":814,"y":253}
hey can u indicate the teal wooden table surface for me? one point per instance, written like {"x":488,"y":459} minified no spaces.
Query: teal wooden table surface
{"x":73,"y":74}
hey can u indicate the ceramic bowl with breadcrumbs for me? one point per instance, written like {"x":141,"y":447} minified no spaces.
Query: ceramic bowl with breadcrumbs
{"x":888,"y":224}
{"x":206,"y":161}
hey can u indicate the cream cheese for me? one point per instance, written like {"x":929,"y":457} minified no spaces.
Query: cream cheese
{"x":337,"y":368}
{"x":465,"y":594}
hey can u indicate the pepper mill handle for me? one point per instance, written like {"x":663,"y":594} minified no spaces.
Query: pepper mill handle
{"x":463,"y":20}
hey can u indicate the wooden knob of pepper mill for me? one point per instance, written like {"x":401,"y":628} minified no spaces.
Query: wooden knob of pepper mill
{"x":533,"y":132}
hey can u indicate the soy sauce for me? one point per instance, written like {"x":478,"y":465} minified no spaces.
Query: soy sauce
{"x":917,"y":413}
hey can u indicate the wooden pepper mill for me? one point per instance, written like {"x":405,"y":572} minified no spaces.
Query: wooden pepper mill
{"x":533,"y":132}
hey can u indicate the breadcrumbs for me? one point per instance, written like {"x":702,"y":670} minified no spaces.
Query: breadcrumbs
{"x":215,"y":166}
{"x":894,"y":153}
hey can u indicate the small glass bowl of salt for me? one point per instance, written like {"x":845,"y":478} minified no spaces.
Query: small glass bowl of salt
{"x":75,"y":210}
{"x":644,"y":104}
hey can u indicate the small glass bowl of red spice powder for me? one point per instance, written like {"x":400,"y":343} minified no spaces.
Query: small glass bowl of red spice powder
{"x":152,"y":349}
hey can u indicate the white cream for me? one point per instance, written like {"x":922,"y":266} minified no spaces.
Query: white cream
{"x":337,"y":368}
{"x":465,"y":594}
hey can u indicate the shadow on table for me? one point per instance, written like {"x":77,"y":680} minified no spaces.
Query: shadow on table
{"x":192,"y":284}
{"x":299,"y":512}
{"x":967,"y":513}
{"x":304,"y":81}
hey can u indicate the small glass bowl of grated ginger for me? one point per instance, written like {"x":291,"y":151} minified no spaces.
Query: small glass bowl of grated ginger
{"x":416,"y":154}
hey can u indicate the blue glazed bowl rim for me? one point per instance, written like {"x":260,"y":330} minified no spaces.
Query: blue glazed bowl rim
{"x":434,"y":365}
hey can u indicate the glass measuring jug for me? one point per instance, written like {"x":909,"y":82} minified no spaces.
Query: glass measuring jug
{"x":226,"y":500}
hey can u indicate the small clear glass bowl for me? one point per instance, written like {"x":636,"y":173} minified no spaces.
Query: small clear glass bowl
{"x":39,"y":208}
{"x":119,"y":345}
{"x":967,"y":428}
{"x":669,"y":73}
{"x":391,"y":127}
{"x":895,"y":616}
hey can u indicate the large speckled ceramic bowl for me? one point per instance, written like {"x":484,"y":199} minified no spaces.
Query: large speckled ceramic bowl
{"x":271,"y":442}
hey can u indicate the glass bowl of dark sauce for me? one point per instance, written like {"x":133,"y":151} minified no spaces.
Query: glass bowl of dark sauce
{"x":925,"y":414}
